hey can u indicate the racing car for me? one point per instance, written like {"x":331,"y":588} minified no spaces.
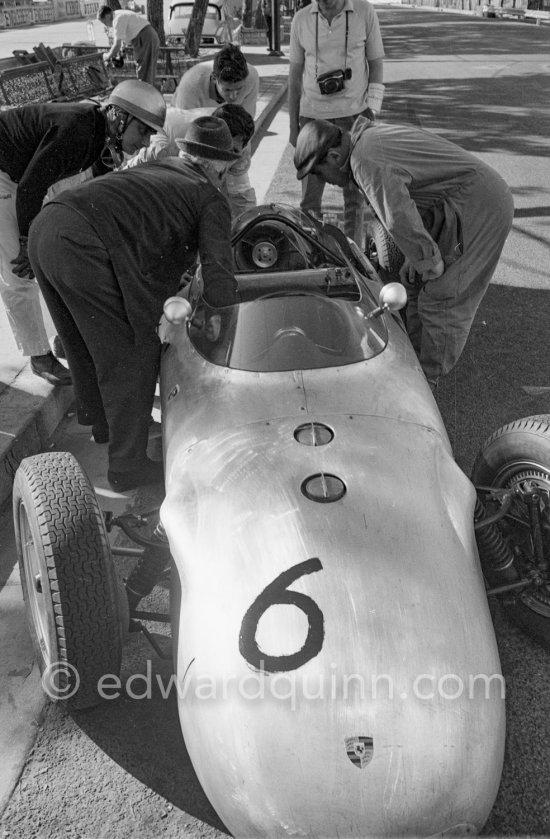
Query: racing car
{"x":335,"y":657}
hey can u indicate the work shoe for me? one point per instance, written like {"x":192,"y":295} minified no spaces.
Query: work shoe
{"x":100,"y":432}
{"x":58,"y":348}
{"x":49,"y":368}
{"x":152,"y":472}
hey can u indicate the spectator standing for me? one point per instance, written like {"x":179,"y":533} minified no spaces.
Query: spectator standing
{"x":339,"y":38}
{"x":107,"y":255}
{"x":41,"y":145}
{"x":447,"y":211}
{"x":136,"y":31}
{"x":267,"y":12}
{"x":228,"y":79}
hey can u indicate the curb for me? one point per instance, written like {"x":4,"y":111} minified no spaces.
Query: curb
{"x":29,"y":705}
{"x":264,"y":118}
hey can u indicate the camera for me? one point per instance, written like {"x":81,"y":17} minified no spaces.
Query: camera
{"x":333,"y":81}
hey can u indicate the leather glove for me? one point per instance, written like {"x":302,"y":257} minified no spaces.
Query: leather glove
{"x":21,"y":264}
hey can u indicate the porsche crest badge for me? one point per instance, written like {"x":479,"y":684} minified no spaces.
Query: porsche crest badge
{"x":359,"y":750}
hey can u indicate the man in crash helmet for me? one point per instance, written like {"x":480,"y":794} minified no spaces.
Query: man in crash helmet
{"x":41,"y":146}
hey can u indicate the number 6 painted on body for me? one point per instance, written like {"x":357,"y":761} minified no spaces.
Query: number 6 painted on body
{"x":277,"y":592}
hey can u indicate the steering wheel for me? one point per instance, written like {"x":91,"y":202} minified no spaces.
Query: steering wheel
{"x":264,"y":250}
{"x":265,"y":254}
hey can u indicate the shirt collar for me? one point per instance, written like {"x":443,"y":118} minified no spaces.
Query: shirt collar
{"x":213,"y":92}
{"x":314,"y":7}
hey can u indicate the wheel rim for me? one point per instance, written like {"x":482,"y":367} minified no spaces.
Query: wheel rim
{"x":514,"y":476}
{"x":38,"y":595}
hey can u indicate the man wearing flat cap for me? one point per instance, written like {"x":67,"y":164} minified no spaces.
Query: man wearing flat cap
{"x":107,"y":255}
{"x":447,"y":211}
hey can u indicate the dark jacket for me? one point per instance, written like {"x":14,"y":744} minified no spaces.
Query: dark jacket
{"x":41,"y":144}
{"x":153,"y":220}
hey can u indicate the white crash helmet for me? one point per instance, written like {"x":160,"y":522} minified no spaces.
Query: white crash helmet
{"x":141,"y":100}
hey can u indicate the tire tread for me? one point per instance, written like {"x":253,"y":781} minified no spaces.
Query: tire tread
{"x":79,"y":567}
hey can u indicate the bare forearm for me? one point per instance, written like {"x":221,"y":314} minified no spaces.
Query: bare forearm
{"x":294,"y":96}
{"x":115,"y":49}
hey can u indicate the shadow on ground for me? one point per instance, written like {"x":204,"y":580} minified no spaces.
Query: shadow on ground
{"x":492,"y":112}
{"x":504,"y":371}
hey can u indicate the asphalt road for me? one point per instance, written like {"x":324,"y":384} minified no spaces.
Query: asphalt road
{"x":121,"y":770}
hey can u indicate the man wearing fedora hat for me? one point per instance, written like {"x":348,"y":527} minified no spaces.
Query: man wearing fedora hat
{"x":107,"y":255}
{"x":239,"y":193}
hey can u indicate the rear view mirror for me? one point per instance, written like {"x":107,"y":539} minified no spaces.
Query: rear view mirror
{"x":392,"y":298}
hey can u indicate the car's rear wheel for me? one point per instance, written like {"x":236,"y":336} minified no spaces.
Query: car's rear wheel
{"x":383,"y":252}
{"x":517,"y":456}
{"x":68,"y":578}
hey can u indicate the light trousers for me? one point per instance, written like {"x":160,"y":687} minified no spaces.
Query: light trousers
{"x":20,"y":295}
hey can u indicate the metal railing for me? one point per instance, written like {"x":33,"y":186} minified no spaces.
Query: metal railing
{"x":26,"y":15}
{"x":47,"y":12}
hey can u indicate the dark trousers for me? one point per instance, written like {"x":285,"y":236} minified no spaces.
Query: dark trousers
{"x":146,"y":49}
{"x":114,"y":377}
{"x":269,"y":31}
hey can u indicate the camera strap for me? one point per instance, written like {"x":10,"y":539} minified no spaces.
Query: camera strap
{"x":317,"y":44}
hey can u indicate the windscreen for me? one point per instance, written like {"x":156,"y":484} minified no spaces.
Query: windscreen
{"x":302,"y":302}
{"x":185,"y":10}
{"x":296,"y":331}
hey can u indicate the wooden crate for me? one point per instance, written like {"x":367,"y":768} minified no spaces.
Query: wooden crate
{"x":82,"y":75}
{"x":28,"y":84}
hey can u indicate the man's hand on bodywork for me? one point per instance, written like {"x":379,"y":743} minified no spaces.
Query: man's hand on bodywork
{"x":21,"y":264}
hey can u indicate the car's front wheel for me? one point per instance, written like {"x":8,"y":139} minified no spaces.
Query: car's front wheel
{"x":68,"y":578}
{"x":517,"y":457}
{"x":383,"y":252}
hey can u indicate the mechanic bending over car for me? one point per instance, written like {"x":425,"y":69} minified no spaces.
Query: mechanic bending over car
{"x":241,"y":125}
{"x":136,"y":31}
{"x":447,"y":211}
{"x":41,"y":145}
{"x":107,"y":255}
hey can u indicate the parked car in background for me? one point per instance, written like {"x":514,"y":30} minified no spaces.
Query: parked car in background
{"x":488,"y":10}
{"x":219,"y":25}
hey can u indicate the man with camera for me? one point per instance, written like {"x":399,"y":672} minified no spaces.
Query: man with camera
{"x":336,"y":73}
